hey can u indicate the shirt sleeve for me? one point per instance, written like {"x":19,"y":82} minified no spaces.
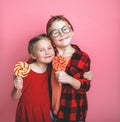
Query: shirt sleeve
{"x":85,"y":84}
{"x":83,"y":66}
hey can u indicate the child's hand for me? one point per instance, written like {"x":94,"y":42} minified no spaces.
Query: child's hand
{"x":62,"y":77}
{"x":88,"y":75}
{"x":18,"y":82}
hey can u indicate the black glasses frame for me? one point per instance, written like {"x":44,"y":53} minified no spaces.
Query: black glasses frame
{"x":56,"y":32}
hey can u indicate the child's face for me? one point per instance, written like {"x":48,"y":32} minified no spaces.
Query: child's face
{"x":61,"y":33}
{"x":43,"y":51}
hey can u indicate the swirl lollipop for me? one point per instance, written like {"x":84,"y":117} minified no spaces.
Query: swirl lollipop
{"x":21,"y":69}
{"x":59,"y":63}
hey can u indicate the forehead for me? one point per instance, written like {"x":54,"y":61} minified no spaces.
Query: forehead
{"x":58,"y":24}
{"x":43,"y":43}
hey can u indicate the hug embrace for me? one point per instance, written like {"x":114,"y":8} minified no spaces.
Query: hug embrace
{"x":54,"y":89}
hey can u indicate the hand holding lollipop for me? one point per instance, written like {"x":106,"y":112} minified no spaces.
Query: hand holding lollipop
{"x":59,"y":63}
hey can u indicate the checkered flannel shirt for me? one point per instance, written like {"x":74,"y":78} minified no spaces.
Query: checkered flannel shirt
{"x":73,"y":104}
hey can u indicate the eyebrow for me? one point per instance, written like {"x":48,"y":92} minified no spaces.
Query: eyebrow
{"x":60,"y":28}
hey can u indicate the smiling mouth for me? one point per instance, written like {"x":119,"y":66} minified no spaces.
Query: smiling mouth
{"x":49,"y":56}
{"x":63,"y":39}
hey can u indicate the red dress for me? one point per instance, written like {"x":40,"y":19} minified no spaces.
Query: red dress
{"x":34,"y":104}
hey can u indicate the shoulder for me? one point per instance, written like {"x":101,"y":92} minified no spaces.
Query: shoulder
{"x":84,"y":54}
{"x":80,"y":59}
{"x":79,"y":53}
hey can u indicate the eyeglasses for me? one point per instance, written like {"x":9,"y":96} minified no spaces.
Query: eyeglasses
{"x":56,"y":32}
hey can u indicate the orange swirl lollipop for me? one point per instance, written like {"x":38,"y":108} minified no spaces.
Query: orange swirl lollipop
{"x":59,"y":63}
{"x":21,"y":69}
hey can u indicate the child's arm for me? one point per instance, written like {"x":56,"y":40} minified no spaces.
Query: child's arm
{"x":18,"y":85}
{"x":64,"y":78}
{"x":16,"y":93}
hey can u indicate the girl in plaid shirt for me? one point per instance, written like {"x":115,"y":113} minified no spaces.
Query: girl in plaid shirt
{"x":69,"y":87}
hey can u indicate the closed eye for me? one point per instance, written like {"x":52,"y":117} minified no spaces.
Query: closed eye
{"x":40,"y":50}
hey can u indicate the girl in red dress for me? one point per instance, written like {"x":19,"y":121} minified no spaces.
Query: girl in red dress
{"x":34,"y":102}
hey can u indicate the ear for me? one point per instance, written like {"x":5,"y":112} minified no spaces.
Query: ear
{"x":32,"y":56}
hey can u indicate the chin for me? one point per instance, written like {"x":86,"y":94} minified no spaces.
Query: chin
{"x":48,"y":61}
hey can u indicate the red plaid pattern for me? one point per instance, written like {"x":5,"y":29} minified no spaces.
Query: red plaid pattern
{"x":73,"y":104}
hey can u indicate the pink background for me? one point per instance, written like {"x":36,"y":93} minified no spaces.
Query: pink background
{"x":97,"y":32}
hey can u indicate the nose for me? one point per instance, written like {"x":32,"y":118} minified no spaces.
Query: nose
{"x":61,"y":33}
{"x":47,"y":52}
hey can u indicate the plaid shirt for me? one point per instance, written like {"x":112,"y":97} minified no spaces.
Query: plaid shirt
{"x":73,"y":104}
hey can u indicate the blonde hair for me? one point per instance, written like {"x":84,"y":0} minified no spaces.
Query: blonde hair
{"x":33,"y":41}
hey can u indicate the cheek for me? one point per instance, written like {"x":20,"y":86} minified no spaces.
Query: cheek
{"x":52,"y":52}
{"x":40,"y":55}
{"x":54,"y":40}
{"x":71,"y":34}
